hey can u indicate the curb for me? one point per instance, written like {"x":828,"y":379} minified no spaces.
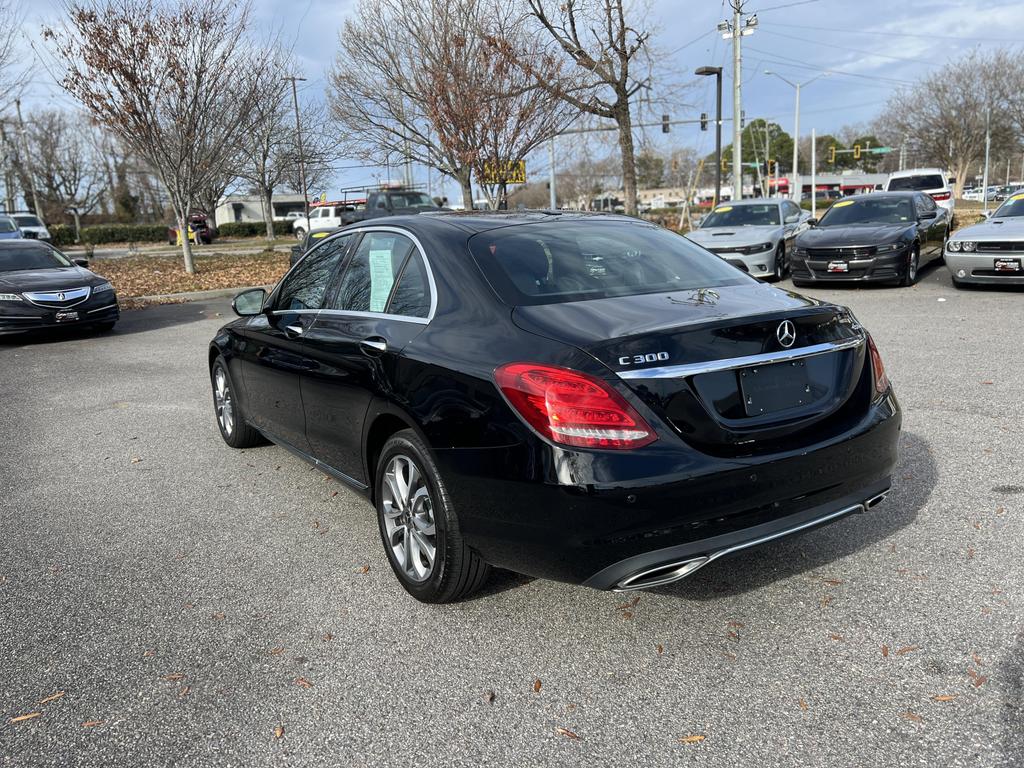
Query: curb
{"x":216,"y":293}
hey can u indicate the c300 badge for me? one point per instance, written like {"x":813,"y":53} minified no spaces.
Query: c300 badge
{"x":651,"y":357}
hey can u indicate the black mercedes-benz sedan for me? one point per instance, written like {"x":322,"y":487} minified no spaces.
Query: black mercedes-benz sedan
{"x":40,"y":287}
{"x":578,"y":397}
{"x":879,"y":237}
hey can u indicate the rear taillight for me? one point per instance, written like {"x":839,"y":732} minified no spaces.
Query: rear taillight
{"x":881,"y":380}
{"x":940,"y":196}
{"x":572,"y":408}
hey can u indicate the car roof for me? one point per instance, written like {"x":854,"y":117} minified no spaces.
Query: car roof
{"x":898,"y":194}
{"x":472,"y":222}
{"x":753,"y":201}
{"x":23,"y":244}
{"x":918,"y":172}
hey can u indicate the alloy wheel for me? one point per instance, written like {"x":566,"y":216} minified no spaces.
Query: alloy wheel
{"x":409,"y":518}
{"x":912,"y":267}
{"x":222,"y":401}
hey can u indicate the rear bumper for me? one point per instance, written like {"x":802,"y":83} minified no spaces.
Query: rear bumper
{"x":25,"y":317}
{"x":978,"y":268}
{"x":591,"y":519}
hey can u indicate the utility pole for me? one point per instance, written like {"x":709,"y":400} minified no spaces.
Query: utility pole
{"x":795,"y":187}
{"x":988,"y":142}
{"x":26,"y":161}
{"x":737,"y":82}
{"x":814,"y":175}
{"x":767,"y":159}
{"x":298,"y":136}
{"x":551,"y":173}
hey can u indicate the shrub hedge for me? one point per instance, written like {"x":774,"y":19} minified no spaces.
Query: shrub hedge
{"x":98,"y":234}
{"x":253,"y":229}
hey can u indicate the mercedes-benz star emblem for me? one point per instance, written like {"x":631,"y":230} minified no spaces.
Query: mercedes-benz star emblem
{"x":786,"y":333}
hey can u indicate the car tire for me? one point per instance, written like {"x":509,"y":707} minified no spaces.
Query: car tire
{"x":913,"y":266}
{"x":434,"y":564}
{"x":231,"y":422}
{"x":802,"y":284}
{"x":778,"y":264}
{"x":105,"y":327}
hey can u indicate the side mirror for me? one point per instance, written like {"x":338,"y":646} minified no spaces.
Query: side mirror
{"x":793,"y":218}
{"x":81,"y":262}
{"x":952,"y":180}
{"x":987,"y":214}
{"x":249,"y":303}
{"x":929,"y":215}
{"x":812,"y":221}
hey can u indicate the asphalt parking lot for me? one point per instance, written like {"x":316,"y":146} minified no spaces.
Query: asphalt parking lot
{"x":196,"y":605}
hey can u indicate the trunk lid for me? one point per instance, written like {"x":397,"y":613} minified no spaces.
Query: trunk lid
{"x":719,"y":366}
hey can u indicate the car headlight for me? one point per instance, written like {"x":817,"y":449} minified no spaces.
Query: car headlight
{"x":953,"y":245}
{"x":889,"y":248}
{"x":969,"y":245}
{"x":102,"y":288}
{"x":10,"y":297}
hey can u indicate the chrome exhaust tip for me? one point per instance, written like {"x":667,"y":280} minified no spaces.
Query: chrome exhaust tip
{"x":874,"y":501}
{"x":663,"y":574}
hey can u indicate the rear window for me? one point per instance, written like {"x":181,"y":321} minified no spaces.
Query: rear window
{"x":7,"y":224}
{"x":562,"y":261}
{"x":916,"y":183}
{"x":27,"y":221}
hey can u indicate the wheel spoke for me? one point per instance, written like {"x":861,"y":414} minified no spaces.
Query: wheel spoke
{"x":401,"y":484}
{"x":407,"y":551}
{"x":397,"y":499}
{"x":426,"y":548}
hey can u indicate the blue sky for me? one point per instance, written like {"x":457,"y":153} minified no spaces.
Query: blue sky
{"x":872,"y":46}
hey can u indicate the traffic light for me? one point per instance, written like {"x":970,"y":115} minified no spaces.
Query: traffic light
{"x":772,"y":165}
{"x":856,"y":151}
{"x":664,"y":124}
{"x":832,"y":153}
{"x":703,"y":121}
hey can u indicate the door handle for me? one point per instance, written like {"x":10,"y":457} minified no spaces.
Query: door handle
{"x":294,"y":330}
{"x":374,"y":346}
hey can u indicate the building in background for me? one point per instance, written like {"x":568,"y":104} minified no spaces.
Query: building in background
{"x":248,"y":208}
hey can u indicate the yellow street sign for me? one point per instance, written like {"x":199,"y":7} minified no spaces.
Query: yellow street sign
{"x":506,"y":172}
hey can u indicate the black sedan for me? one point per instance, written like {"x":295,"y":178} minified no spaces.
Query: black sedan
{"x":40,"y":287}
{"x":578,"y":397}
{"x":880,"y":237}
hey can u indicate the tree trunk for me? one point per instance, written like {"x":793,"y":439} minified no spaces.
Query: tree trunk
{"x":78,"y":225}
{"x":266,"y":200}
{"x":465,"y":183}
{"x":186,"y":245}
{"x":625,"y":123}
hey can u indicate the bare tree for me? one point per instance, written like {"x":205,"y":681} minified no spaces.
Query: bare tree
{"x":68,"y":176}
{"x":942,"y":118}
{"x":168,"y":79}
{"x":606,"y":43}
{"x":488,"y":112}
{"x":375,"y":90}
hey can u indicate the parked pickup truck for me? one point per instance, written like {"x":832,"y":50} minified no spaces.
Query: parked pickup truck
{"x":389,"y":202}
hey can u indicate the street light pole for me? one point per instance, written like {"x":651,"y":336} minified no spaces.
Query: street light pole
{"x":717,"y":72}
{"x":302,"y":157}
{"x":737,"y":109}
{"x":794,"y":186}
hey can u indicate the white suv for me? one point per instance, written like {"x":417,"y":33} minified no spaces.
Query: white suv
{"x":931,"y":180}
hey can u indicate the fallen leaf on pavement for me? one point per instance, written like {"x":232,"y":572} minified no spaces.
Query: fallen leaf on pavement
{"x":149,"y":652}
{"x":328,"y":636}
{"x":907,"y":649}
{"x":136,"y":460}
{"x":174,"y":677}
{"x":833,"y":582}
{"x":567,"y":733}
{"x":885,"y":651}
{"x":52,"y":697}
{"x":303,"y":682}
{"x":736,"y":624}
{"x":218,"y":616}
{"x":660,"y":648}
{"x":837,"y":638}
{"x":825,"y":601}
{"x":489,"y":696}
{"x":977,"y":660}
{"x":29,"y":716}
{"x":945,"y":697}
{"x":627,"y":615}
{"x":735,"y":636}
{"x":986,"y":382}
{"x":278,"y":731}
{"x":631,"y":604}
{"x":536,"y":685}
{"x":693,"y":738}
{"x":183,"y":691}
{"x":803,"y":705}
{"x":912,"y":717}
{"x":92,"y":723}
{"x":363,"y":569}
{"x":977,"y":680}
{"x":276,"y":651}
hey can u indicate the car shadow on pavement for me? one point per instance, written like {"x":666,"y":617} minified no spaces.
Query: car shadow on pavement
{"x":150,"y":318}
{"x":913,"y":479}
{"x":1011,"y":673}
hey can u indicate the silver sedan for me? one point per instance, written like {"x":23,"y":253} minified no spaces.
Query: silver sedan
{"x":754,"y":235}
{"x":991,"y":252}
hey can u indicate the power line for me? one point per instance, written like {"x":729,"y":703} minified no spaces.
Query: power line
{"x":929,"y":36}
{"x":787,"y":5}
{"x":831,"y":71}
{"x":847,"y":48}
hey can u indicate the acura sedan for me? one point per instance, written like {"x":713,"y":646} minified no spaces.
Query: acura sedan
{"x":578,"y":397}
{"x":40,"y":287}
{"x":754,"y":235}
{"x":991,"y":252}
{"x":879,"y":237}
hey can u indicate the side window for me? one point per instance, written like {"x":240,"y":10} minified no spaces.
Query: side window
{"x":929,"y":204}
{"x":306,"y":286}
{"x":412,"y":296}
{"x":792,"y":208}
{"x":373,"y":270}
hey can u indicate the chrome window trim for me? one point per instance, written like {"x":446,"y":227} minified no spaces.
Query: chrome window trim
{"x":34,"y":297}
{"x":732,"y":363}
